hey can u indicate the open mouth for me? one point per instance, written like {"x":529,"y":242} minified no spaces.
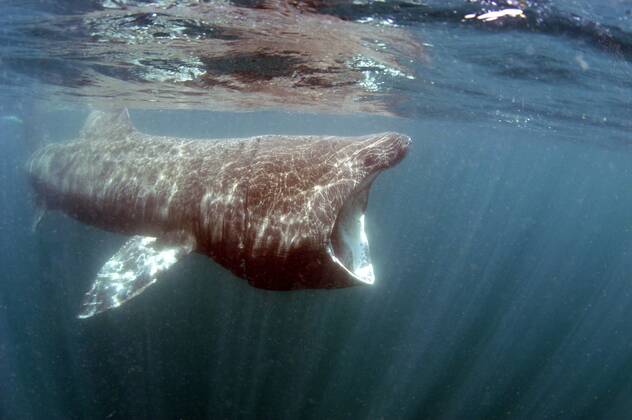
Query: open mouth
{"x":349,"y":245}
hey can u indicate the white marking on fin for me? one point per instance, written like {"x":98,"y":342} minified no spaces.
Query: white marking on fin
{"x":132,"y":269}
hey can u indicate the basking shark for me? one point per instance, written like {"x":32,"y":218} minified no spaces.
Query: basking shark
{"x":283,"y":212}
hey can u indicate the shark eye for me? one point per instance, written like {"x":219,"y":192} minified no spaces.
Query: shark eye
{"x":370,"y":160}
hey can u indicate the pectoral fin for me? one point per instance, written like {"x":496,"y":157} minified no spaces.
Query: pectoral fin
{"x":132,"y":269}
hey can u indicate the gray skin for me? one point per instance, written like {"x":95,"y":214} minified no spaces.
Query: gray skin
{"x":282,"y":212}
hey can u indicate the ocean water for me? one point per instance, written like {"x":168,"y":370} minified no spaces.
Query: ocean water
{"x":502,"y":243}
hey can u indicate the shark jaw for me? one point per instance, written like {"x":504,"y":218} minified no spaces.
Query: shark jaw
{"x":358,"y":260}
{"x":348,"y":245}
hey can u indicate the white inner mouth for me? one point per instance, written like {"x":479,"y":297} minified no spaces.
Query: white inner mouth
{"x":348,"y":245}
{"x":354,"y":249}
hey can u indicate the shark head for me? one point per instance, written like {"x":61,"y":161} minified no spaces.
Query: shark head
{"x":306,"y":210}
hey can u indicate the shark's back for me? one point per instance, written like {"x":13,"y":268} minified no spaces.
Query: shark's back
{"x":120,"y":179}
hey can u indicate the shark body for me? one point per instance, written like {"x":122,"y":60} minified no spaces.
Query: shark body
{"x":283,"y":212}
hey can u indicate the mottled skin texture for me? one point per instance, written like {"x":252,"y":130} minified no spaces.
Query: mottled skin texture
{"x":263,"y":207}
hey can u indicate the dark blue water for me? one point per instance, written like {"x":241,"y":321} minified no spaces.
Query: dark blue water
{"x":502,"y":247}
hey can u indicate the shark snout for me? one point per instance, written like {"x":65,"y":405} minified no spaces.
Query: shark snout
{"x":385,"y":151}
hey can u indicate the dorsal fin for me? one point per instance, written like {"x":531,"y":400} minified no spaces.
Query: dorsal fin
{"x":107,"y":125}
